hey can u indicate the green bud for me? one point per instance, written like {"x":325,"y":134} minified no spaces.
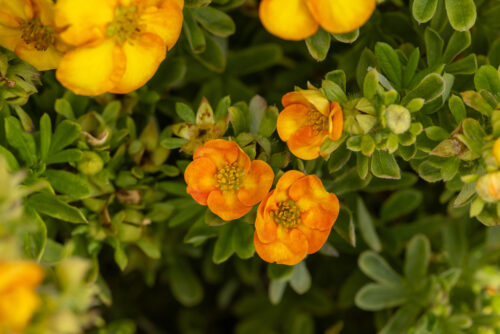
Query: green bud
{"x":415,"y":104}
{"x":398,"y":118}
{"x":90,"y":164}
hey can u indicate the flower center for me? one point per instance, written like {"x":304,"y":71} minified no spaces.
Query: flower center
{"x":317,"y":120}
{"x":288,"y":214}
{"x":34,"y":32}
{"x":229,"y":177}
{"x":125,"y":24}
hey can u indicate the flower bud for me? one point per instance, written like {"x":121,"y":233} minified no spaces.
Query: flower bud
{"x":488,"y":187}
{"x":398,"y":118}
{"x":90,"y":164}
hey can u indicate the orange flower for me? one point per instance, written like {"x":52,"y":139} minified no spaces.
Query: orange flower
{"x":27,"y":28}
{"x":307,"y":120}
{"x":294,"y":219}
{"x":222,"y":177}
{"x":299,"y":19}
{"x":18,"y":300}
{"x":118,"y":44}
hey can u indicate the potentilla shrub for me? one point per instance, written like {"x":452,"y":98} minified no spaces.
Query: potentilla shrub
{"x":244,"y":166}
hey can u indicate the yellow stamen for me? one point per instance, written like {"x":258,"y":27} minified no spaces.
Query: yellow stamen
{"x":288,"y":214}
{"x":125,"y":24}
{"x":317,"y":120}
{"x":229,"y":177}
{"x":34,"y":32}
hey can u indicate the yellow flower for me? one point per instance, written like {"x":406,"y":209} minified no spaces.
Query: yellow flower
{"x":27,"y":28}
{"x":300,"y":19}
{"x":118,"y":44}
{"x":18,"y":299}
{"x":496,"y":151}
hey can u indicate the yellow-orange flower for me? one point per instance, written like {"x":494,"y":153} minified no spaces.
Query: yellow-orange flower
{"x":300,"y":19}
{"x":496,"y":150}
{"x":294,"y":219}
{"x":307,"y":121}
{"x":118,"y":44}
{"x":27,"y":28}
{"x":18,"y":299}
{"x":223,"y":177}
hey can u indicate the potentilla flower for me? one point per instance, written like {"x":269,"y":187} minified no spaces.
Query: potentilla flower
{"x":27,"y":28}
{"x":488,"y":187}
{"x":118,"y":44}
{"x":294,"y":219}
{"x":223,"y":177}
{"x":307,"y":121}
{"x":300,"y":19}
{"x":18,"y":299}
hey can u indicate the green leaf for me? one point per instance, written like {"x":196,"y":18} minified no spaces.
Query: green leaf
{"x":224,"y":247}
{"x":474,"y":135}
{"x":197,"y":3}
{"x":466,"y":65}
{"x":185,"y":112}
{"x":45,"y":136}
{"x":194,"y":34}
{"x":279,"y":271}
{"x":239,"y":118}
{"x":10,"y":159}
{"x":384,"y":165}
{"x":457,"y":108}
{"x":370,"y":84}
{"x":68,"y":183}
{"x":423,"y":10}
{"x":430,"y":88}
{"x":51,"y":206}
{"x":66,"y":133}
{"x":487,"y":78}
{"x":173,"y":142}
{"x":319,"y":44}
{"x":213,"y":56}
{"x":411,"y":67}
{"x":348,"y":37}
{"x":344,"y":226}
{"x":221,"y":110}
{"x":461,"y":13}
{"x":376,"y":297}
{"x":389,"y":63}
{"x":185,"y":285}
{"x":401,"y":203}
{"x":402,"y":320}
{"x":268,"y":122}
{"x":215,"y":21}
{"x":255,"y":58}
{"x":242,"y":238}
{"x":69,"y":155}
{"x":337,"y":76}
{"x":417,"y":259}
{"x":333,"y":91}
{"x":436,"y":133}
{"x":377,"y":268}
{"x":477,"y":102}
{"x":494,"y":54}
{"x":459,"y":41}
{"x":300,"y":281}
{"x":63,"y":108}
{"x":302,"y":323}
{"x":21,"y":141}
{"x":434,"y":46}
{"x":366,"y":226}
{"x":276,"y":290}
{"x":36,"y":239}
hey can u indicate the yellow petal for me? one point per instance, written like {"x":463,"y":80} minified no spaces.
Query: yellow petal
{"x":287,"y":19}
{"x":341,"y":16}
{"x":12,"y":12}
{"x":164,"y":20}
{"x":44,"y":10}
{"x":92,"y":70}
{"x":10,"y":37}
{"x":142,"y":60}
{"x":84,"y":20}
{"x":16,"y":308}
{"x":41,"y":60}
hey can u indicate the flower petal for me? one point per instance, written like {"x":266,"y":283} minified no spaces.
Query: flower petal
{"x":318,"y":218}
{"x":93,"y":69}
{"x":201,"y":197}
{"x":41,"y":60}
{"x":292,"y":118}
{"x":226,"y":205}
{"x":265,"y":227}
{"x":12,"y":13}
{"x":308,"y":97}
{"x":200,"y":176}
{"x":289,"y":248}
{"x":256,"y":183}
{"x":287,"y":19}
{"x":10,"y":37}
{"x":16,"y":308}
{"x":84,"y":20}
{"x":221,"y":152}
{"x":143,"y":58}
{"x":164,"y":20}
{"x":308,"y":192}
{"x":315,"y":238}
{"x":19,"y":273}
{"x":335,"y":121}
{"x":341,"y":16}
{"x":44,"y":10}
{"x":304,"y":144}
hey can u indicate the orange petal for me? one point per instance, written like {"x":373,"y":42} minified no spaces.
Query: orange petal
{"x":341,"y":16}
{"x":19,"y":273}
{"x":308,"y":192}
{"x":265,"y":227}
{"x":308,"y":97}
{"x":143,"y":58}
{"x":287,"y":19}
{"x":304,"y":144}
{"x":319,"y":219}
{"x":284,"y":182}
{"x":41,"y":60}
{"x":221,"y":152}
{"x":292,"y":118}
{"x":256,"y":183}
{"x":226,"y":205}
{"x":83,"y":20}
{"x":315,"y":238}
{"x":16,"y":308}
{"x":164,"y":20}
{"x":289,"y":248}
{"x":200,"y":176}
{"x":335,"y":121}
{"x":93,"y":69}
